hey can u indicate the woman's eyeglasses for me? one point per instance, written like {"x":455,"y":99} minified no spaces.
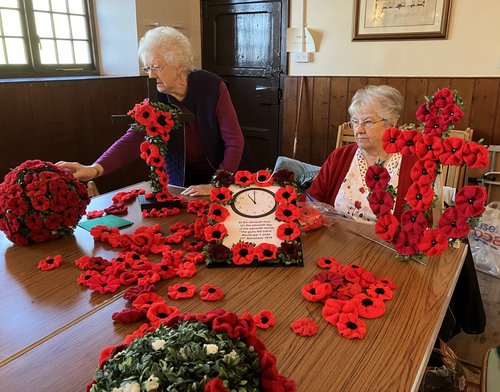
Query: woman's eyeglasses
{"x":367,"y":124}
{"x":153,"y":67}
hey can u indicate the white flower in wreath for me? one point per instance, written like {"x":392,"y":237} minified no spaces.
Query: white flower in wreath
{"x":211,"y":348}
{"x":232,"y":355}
{"x":152,"y":383}
{"x":132,"y":387}
{"x":158,"y":344}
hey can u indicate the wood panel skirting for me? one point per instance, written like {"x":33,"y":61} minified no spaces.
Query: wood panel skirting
{"x":68,"y":120}
{"x":325,"y":101}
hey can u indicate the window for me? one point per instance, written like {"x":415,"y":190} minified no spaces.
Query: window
{"x":46,"y":38}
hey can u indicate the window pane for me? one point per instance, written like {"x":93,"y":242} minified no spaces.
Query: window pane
{"x":79,"y":27}
{"x":41,"y":5}
{"x":47,"y":51}
{"x":76,"y":7}
{"x":43,"y":25}
{"x":3,"y":60}
{"x":61,"y":26}
{"x":82,"y":52}
{"x":9,"y":3}
{"x":65,"y":52}
{"x":11,"y":22}
{"x":59,"y":5}
{"x":15,"y":51}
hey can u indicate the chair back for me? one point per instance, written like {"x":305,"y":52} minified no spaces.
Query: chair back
{"x":454,"y":176}
{"x":92,"y":189}
{"x":345,"y":135}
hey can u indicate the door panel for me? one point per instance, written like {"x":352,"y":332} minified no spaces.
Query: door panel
{"x":242,"y":43}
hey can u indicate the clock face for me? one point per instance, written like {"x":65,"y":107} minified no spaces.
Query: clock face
{"x":254,"y":202}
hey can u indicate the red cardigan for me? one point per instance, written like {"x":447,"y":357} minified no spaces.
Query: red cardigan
{"x":326,"y":185}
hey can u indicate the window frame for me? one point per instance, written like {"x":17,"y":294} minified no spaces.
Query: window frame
{"x":34,"y":68}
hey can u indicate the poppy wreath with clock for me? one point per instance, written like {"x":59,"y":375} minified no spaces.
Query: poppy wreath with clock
{"x":253,"y":220}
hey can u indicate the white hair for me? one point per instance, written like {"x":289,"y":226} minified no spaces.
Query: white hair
{"x":384,"y":100}
{"x":174,"y":46}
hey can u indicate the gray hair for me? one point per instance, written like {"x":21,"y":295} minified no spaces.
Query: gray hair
{"x":174,"y":46}
{"x":384,"y":100}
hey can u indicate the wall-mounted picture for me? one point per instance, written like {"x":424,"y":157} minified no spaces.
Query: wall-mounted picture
{"x":400,"y":19}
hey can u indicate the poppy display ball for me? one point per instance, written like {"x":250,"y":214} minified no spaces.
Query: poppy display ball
{"x":39,"y":202}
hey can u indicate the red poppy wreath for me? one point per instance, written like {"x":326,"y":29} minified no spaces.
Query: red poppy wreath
{"x":414,"y":234}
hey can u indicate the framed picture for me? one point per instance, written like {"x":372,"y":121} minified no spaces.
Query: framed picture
{"x":400,"y":19}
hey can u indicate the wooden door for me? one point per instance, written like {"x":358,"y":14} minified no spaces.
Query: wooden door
{"x":243,"y":42}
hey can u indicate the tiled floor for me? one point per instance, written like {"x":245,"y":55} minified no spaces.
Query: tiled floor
{"x":472,"y":348}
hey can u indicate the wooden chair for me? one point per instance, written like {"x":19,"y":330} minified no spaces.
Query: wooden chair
{"x":454,"y":176}
{"x":345,"y":135}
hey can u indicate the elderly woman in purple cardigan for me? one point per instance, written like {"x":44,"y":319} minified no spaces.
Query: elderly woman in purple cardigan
{"x":212,"y":141}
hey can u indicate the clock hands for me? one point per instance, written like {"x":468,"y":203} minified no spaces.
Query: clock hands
{"x":250,"y":197}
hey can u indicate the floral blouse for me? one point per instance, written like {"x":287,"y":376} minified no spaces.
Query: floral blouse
{"x":352,"y":199}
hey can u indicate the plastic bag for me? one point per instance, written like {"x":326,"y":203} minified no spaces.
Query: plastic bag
{"x":484,"y":241}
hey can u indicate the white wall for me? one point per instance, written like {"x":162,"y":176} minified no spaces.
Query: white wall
{"x":121,"y":24}
{"x":471,"y":49}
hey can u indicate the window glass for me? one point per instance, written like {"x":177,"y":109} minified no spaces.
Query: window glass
{"x":3,"y":60}
{"x":11,"y":23}
{"x":82,"y":52}
{"x":79,"y":27}
{"x":43,"y":23}
{"x":76,"y":7}
{"x":9,"y":3}
{"x":59,"y":5}
{"x":15,"y":51}
{"x":61,"y":26}
{"x":41,"y":5}
{"x":48,"y":51}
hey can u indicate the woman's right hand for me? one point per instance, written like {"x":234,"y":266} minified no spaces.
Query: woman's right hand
{"x":81,"y":172}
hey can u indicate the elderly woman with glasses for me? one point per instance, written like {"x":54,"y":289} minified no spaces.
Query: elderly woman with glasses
{"x":341,"y":179}
{"x":212,"y":141}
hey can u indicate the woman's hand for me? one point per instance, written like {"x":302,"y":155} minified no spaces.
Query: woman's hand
{"x":82,"y":172}
{"x":197,"y":190}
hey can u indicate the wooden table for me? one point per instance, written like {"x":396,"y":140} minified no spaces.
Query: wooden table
{"x":52,"y":330}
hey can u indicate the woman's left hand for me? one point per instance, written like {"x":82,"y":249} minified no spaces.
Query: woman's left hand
{"x":197,"y":190}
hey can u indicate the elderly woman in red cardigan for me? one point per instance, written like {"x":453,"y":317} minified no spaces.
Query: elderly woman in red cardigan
{"x":341,"y":179}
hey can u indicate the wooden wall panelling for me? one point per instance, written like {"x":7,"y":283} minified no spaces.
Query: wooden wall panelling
{"x":484,"y":105}
{"x":496,"y":136}
{"x":465,"y":89}
{"x":354,"y":85}
{"x":290,"y":97}
{"x":416,"y":89}
{"x":305,"y":128}
{"x":320,"y":112}
{"x":338,"y":109}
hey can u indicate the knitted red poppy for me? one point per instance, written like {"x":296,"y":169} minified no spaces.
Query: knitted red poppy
{"x":435,"y":126}
{"x":304,"y":327}
{"x":406,"y":243}
{"x":470,"y":200}
{"x":243,"y":253}
{"x":381,"y":202}
{"x":215,"y":233}
{"x":133,"y":292}
{"x":452,"y":151}
{"x":475,"y":155}
{"x":102,"y":233}
{"x":174,"y":238}
{"x":432,"y":242}
{"x":263,"y":178}
{"x":451,"y":113}
{"x":186,"y":270}
{"x":389,"y":140}
{"x":265,"y":252}
{"x":231,"y":324}
{"x":287,"y":194}
{"x":424,"y":172}
{"x":181,"y":290}
{"x":327,"y":262}
{"x":387,"y":282}
{"x":165,"y":270}
{"x":215,"y":385}
{"x":149,"y":277}
{"x":128,"y":278}
{"x":197,"y":207}
{"x":217,"y":212}
{"x":220,"y":195}
{"x":386,"y":227}
{"x":428,"y":147}
{"x":420,"y":197}
{"x":84,"y":277}
{"x":160,"y":313}
{"x":116,"y":209}
{"x":368,"y":307}
{"x":380,"y":291}
{"x":316,"y":291}
{"x":351,"y":327}
{"x":193,"y":246}
{"x":335,"y":279}
{"x":334,"y":307}
{"x":264,"y":319}
{"x":407,"y":140}
{"x":243,"y":178}
{"x":377,"y":177}
{"x":348,"y":291}
{"x":50,"y":262}
{"x":413,"y":221}
{"x":129,"y":315}
{"x":139,"y":332}
{"x":288,"y":231}
{"x":103,"y":284}
{"x":287,"y":212}
{"x":424,"y":112}
{"x":210,"y":292}
{"x":453,"y":224}
{"x":145,"y":300}
{"x":194,"y":257}
{"x":94,"y":214}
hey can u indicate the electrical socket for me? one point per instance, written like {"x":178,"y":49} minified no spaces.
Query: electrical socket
{"x":300,"y":57}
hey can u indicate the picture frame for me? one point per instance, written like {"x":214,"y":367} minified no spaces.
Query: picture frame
{"x":401,"y":19}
